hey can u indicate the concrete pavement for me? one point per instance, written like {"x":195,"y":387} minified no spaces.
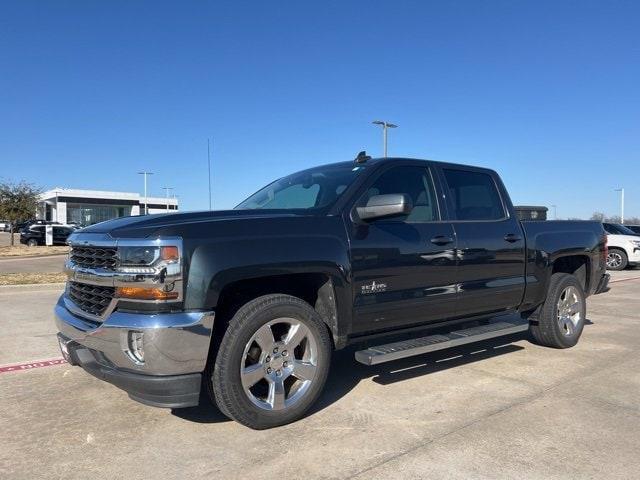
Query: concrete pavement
{"x":500,"y":409}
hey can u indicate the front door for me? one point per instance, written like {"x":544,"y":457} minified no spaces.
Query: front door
{"x":404,"y":268}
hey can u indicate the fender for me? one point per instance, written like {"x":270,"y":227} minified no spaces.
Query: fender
{"x":544,"y":248}
{"x":317,"y":245}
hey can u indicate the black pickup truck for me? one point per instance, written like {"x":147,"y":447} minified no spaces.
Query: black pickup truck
{"x":399,"y":256}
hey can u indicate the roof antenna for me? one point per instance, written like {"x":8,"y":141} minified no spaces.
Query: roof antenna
{"x":362,"y":157}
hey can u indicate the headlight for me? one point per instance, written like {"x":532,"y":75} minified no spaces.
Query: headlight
{"x":138,"y":256}
{"x":146,"y":259}
{"x":635,"y":242}
{"x":151,"y":273}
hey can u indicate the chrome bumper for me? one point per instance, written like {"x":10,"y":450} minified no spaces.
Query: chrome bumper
{"x":174,"y":343}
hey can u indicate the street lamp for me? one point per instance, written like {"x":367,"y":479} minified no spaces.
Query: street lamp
{"x":146,"y":207}
{"x":621,"y":190}
{"x":555,"y":211}
{"x":385,"y":126}
{"x":166,"y":192}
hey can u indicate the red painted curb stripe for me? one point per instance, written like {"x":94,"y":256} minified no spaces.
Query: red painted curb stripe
{"x":20,"y":367}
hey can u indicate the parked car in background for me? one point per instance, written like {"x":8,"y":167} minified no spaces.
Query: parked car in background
{"x":634,"y":228}
{"x":624,"y":246}
{"x":4,"y":226}
{"x":35,"y":235}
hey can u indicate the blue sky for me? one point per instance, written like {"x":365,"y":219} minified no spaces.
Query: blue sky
{"x":546,"y":92}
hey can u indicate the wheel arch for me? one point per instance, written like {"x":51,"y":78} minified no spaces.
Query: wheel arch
{"x":576,"y":265}
{"x":317,"y":288}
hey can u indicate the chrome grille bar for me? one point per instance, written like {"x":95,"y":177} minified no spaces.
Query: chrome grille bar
{"x":94,"y":257}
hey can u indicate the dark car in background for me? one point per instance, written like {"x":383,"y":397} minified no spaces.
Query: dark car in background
{"x":35,"y":235}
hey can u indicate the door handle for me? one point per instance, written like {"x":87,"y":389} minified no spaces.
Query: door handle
{"x":441,"y":240}
{"x":512,"y":237}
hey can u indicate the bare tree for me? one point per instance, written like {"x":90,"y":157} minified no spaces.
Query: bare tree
{"x":601,"y":217}
{"x":18,"y":202}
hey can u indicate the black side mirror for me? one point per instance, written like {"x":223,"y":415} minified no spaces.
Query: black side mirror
{"x":385,"y":206}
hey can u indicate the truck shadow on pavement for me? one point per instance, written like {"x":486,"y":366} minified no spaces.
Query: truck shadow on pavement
{"x":346,"y":373}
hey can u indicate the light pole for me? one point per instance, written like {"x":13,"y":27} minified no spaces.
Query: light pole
{"x":166,"y":192}
{"x":621,"y":190}
{"x":385,"y":126}
{"x":209,"y":165}
{"x":146,"y":207}
{"x":555,"y":211}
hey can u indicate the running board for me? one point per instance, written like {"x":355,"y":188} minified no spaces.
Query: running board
{"x":432,"y":343}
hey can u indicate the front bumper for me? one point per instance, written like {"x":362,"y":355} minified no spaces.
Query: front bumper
{"x":634,"y":256}
{"x":176,"y":346}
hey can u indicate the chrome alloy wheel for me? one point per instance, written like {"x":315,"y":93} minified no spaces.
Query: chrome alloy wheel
{"x":570,"y":310}
{"x":614,"y":260}
{"x":279,"y":364}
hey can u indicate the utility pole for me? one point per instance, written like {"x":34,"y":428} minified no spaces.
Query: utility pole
{"x":385,"y":126}
{"x":209,"y":164}
{"x":166,"y":192}
{"x":555,"y":211}
{"x":146,"y":206}
{"x":621,"y":190}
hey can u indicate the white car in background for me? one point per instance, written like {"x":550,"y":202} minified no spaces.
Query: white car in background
{"x":624,"y":246}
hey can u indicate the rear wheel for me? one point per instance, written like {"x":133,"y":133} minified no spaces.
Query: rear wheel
{"x":32,"y":242}
{"x":617,"y":259}
{"x":272,"y":362}
{"x":561,"y":318}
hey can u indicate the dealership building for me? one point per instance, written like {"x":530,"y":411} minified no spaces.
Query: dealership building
{"x":86,"y":207}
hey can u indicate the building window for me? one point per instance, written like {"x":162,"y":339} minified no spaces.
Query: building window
{"x":86,"y":214}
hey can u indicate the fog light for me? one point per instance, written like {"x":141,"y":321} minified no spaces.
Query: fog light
{"x":136,"y":347}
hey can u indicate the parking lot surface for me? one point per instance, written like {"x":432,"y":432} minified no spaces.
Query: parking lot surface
{"x":500,"y":409}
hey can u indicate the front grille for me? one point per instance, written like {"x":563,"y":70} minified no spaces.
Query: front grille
{"x":91,"y":298}
{"x":94,"y":257}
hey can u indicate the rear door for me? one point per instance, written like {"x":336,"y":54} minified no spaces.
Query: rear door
{"x":404,"y":268}
{"x":491,"y":246}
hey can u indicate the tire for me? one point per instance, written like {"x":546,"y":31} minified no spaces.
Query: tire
{"x":32,"y":242}
{"x":556,"y":326}
{"x":617,"y":259}
{"x":278,"y":385}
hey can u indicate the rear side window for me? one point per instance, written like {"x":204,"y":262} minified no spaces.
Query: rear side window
{"x":474,"y":195}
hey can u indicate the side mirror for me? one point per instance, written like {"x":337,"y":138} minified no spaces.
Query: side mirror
{"x":384,"y":206}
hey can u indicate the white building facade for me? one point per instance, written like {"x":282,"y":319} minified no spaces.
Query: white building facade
{"x":86,"y":207}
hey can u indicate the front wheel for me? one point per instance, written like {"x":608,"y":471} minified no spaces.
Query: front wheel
{"x":272,"y":362}
{"x":617,"y":259}
{"x":32,"y":242}
{"x":561,"y":318}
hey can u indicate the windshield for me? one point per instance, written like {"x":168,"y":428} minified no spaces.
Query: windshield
{"x":310,"y":189}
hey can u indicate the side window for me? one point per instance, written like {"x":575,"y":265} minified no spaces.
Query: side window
{"x":412,"y":181}
{"x":474,"y":195}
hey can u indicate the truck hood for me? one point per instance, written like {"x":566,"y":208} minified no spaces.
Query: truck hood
{"x":147,"y":225}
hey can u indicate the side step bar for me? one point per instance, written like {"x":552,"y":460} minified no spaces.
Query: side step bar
{"x":431,"y":343}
